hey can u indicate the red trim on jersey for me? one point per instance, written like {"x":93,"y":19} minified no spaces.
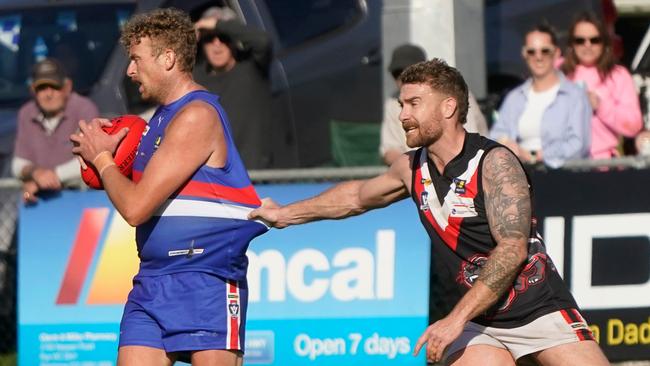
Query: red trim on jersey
{"x":245,"y":195}
{"x":450,"y":234}
{"x":471,"y":190}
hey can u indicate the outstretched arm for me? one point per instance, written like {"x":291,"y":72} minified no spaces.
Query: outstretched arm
{"x":343,"y":200}
{"x":508,"y":207}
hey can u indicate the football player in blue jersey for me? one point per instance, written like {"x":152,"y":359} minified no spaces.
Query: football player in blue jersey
{"x":189,"y":191}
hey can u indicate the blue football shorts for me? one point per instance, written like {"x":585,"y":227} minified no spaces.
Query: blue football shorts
{"x":186,"y":311}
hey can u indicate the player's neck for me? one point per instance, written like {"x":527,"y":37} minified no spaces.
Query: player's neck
{"x":177,"y":88}
{"x":447,"y":147}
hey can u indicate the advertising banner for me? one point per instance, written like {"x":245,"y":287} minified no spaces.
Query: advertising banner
{"x":353,"y":291}
{"x":596,"y":226}
{"x":348,"y":292}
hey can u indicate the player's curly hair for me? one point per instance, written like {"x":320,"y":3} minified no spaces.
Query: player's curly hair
{"x":167,"y":28}
{"x":441,"y":78}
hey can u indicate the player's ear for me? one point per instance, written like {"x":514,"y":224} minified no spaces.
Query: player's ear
{"x":170,"y":58}
{"x":449,"y":106}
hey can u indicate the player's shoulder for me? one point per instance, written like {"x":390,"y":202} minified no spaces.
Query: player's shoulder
{"x":500,"y":153}
{"x":401,"y":167}
{"x":500,"y":163}
{"x":198,"y":112}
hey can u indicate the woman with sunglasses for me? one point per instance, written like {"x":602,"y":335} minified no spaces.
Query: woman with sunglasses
{"x":590,"y":62}
{"x":547,"y":118}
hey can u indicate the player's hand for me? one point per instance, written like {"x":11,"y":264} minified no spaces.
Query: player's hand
{"x":438,"y":336}
{"x":267,"y":213}
{"x":103,"y":122}
{"x":206,"y":23}
{"x":30,"y":188}
{"x":46,"y":179}
{"x":91,"y":140}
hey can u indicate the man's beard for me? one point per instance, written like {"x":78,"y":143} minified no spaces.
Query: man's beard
{"x":425,"y":137}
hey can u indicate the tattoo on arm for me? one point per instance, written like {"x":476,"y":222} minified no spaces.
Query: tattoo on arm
{"x":508,"y":207}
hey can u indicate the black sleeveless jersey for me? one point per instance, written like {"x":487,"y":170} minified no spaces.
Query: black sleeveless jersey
{"x":452,"y":209}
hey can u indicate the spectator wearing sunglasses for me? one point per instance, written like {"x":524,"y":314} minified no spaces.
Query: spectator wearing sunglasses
{"x":43,"y":157}
{"x":590,"y":62}
{"x":547,"y":118}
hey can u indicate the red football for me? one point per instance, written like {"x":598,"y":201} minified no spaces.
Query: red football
{"x":125,"y":152}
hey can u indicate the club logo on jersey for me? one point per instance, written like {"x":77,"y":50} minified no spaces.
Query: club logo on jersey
{"x":460,"y":206}
{"x":233,"y":309}
{"x":532,"y":274}
{"x":460,"y":186}
{"x":471,"y":269}
{"x":156,"y":143}
{"x":424,"y":201}
{"x":425,"y":181}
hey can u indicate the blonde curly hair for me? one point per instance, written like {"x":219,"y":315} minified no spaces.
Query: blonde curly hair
{"x":167,"y":28}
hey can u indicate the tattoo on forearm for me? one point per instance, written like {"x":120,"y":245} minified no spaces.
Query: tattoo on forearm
{"x":508,"y":207}
{"x":500,"y":270}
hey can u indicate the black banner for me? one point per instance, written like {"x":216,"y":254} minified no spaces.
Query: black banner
{"x":596,"y":225}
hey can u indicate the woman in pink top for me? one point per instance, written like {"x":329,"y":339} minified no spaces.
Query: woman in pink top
{"x":590,"y":62}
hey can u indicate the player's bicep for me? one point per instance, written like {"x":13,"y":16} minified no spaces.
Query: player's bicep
{"x":507,"y":197}
{"x":385,"y":188}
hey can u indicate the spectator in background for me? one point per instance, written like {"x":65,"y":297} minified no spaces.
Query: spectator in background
{"x":590,"y":62}
{"x":233,"y":62}
{"x":42,"y":154}
{"x":547,"y":118}
{"x":642,"y":143}
{"x":393,"y":139}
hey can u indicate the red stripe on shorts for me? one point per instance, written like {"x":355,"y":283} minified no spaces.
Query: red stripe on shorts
{"x":573,"y":316}
{"x":233,"y":303}
{"x":566,"y":316}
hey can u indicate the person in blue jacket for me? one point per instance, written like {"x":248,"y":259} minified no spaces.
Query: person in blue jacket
{"x":547,"y":118}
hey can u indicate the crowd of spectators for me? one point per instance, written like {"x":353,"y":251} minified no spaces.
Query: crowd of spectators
{"x":577,"y":103}
{"x":552,"y":119}
{"x":547,"y":118}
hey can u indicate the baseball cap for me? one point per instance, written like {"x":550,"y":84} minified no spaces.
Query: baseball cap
{"x":48,"y":72}
{"x":405,"y":56}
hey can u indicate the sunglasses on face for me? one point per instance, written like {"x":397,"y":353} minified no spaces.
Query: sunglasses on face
{"x":48,"y":86}
{"x":546,"y":51}
{"x":583,"y":40}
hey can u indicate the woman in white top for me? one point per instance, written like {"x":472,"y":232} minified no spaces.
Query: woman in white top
{"x":547,"y":118}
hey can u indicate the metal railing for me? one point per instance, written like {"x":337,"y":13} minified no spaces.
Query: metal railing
{"x":361,"y":172}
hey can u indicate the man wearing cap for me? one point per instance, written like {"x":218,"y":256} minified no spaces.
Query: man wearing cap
{"x":393,"y":140}
{"x":42,"y":152}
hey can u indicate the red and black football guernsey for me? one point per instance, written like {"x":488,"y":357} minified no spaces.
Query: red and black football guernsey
{"x":452,"y":209}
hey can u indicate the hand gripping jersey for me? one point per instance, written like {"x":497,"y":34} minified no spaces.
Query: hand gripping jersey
{"x":452,"y":209}
{"x":202,"y":227}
